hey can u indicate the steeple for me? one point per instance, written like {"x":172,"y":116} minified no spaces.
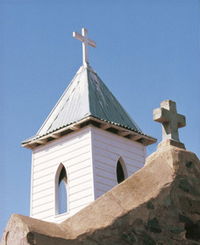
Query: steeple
{"x":86,"y":146}
{"x":87,"y":98}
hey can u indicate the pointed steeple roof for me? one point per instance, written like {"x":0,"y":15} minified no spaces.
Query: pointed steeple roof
{"x":87,"y":100}
{"x":85,"y":96}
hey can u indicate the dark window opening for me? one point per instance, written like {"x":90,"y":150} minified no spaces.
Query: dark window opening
{"x":62,"y":192}
{"x":62,"y":175}
{"x":120,"y":172}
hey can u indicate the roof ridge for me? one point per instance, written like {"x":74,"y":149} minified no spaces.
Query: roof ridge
{"x":114,"y":108}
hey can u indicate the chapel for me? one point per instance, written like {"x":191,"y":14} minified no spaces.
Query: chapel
{"x":87,"y":145}
{"x":85,"y":187}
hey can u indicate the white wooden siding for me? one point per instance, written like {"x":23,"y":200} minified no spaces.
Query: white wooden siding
{"x":90,"y":157}
{"x":107,"y":148}
{"x":74,"y":152}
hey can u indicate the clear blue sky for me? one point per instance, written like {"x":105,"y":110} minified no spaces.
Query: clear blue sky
{"x":147,"y":51}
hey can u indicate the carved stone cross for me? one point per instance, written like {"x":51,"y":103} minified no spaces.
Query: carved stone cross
{"x":170,"y":119}
{"x":85,"y":43}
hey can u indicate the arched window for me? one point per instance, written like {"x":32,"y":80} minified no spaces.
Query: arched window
{"x":121,"y":171}
{"x":61,"y":190}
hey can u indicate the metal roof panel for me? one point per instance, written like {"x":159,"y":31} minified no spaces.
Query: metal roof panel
{"x":104,"y":105}
{"x":86,"y":95}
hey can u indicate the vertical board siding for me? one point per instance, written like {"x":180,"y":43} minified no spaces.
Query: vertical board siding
{"x":74,"y":152}
{"x":107,"y":148}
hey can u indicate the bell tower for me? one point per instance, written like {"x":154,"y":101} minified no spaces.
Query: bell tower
{"x":86,"y":146}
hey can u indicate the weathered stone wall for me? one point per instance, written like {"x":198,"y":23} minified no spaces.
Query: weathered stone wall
{"x":171,"y":215}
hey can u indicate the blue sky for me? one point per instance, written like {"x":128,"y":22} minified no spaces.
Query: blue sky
{"x":147,"y":51}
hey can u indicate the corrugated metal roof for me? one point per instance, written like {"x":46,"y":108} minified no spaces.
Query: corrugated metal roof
{"x":85,"y":96}
{"x":104,"y":105}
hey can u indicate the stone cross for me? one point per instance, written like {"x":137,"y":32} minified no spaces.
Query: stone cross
{"x":85,"y":43}
{"x":170,"y":119}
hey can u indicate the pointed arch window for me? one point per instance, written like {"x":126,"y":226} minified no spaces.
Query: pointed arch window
{"x":121,"y":171}
{"x":62,"y":191}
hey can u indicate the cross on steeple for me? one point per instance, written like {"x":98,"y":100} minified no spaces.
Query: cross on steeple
{"x":85,"y":43}
{"x":170,"y":119}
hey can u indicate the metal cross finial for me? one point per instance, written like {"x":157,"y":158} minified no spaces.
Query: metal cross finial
{"x":85,"y":42}
{"x":170,"y":119}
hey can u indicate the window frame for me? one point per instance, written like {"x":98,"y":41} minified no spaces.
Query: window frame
{"x":57,"y":182}
{"x":123,"y":165}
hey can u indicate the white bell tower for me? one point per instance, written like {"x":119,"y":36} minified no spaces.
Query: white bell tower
{"x":87,"y":145}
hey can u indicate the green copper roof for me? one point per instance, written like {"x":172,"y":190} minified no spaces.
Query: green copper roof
{"x":85,"y":96}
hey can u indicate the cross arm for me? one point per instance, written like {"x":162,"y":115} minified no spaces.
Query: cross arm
{"x":84,"y":39}
{"x":78,"y":36}
{"x":161,"y":115}
{"x":181,"y":121}
{"x":91,"y":43}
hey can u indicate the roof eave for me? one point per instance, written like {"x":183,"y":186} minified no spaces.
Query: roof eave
{"x":121,"y":130}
